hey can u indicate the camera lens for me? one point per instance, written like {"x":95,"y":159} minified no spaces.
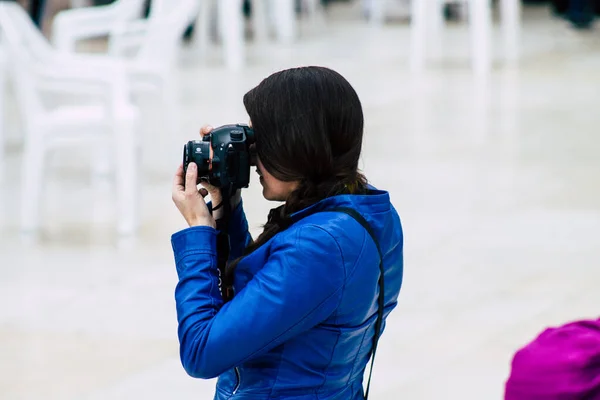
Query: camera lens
{"x":198,"y":152}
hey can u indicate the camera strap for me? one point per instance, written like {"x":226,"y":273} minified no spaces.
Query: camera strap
{"x":223,"y":244}
{"x":381,"y":298}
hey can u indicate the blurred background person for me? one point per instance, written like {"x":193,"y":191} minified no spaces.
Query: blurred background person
{"x":581,"y":13}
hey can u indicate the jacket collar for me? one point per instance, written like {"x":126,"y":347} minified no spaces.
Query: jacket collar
{"x":374,"y":201}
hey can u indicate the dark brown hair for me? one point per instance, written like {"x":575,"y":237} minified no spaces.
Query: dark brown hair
{"x":308,"y":124}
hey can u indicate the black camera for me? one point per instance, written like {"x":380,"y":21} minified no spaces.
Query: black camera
{"x":229,"y":164}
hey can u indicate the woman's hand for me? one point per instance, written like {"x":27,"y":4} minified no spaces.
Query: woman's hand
{"x":189,"y":200}
{"x":215,"y":193}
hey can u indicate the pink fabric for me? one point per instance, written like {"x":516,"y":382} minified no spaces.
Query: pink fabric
{"x":562,"y":363}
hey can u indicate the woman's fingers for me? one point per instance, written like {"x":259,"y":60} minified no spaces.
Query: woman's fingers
{"x":205,"y":130}
{"x":189,"y":200}
{"x":191,"y":178}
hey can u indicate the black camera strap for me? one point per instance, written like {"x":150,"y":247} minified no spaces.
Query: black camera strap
{"x":381,"y":299}
{"x":223,"y":244}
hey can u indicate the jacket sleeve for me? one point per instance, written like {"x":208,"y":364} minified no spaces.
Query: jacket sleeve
{"x":299,"y":287}
{"x":239,"y":235}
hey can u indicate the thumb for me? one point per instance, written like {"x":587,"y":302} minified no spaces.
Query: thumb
{"x":191,"y":179}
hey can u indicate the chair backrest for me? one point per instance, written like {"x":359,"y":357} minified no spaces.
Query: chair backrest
{"x":20,"y":31}
{"x":72,"y":25}
{"x":166,"y":24}
{"x":127,"y":10}
{"x":27,"y":49}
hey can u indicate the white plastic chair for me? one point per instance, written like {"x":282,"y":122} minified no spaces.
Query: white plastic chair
{"x":73,"y":25}
{"x":230,"y":27}
{"x":426,"y":31}
{"x":150,"y":46}
{"x":284,"y":18}
{"x":281,"y":15}
{"x":313,"y":8}
{"x":266,"y":14}
{"x":156,"y":43}
{"x":122,"y":22}
{"x":108,"y":120}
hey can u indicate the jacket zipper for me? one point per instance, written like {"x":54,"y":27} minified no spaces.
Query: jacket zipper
{"x":239,"y":380}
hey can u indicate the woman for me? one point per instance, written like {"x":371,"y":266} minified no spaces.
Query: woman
{"x":301,"y":322}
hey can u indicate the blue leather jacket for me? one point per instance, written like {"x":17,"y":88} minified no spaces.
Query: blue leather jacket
{"x":302,"y":322}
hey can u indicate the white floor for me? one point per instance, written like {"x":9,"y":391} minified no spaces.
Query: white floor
{"x":497,"y":185}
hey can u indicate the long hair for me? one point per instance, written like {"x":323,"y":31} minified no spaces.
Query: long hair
{"x":308,"y":124}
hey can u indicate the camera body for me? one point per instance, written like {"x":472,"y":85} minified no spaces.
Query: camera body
{"x":223,"y":156}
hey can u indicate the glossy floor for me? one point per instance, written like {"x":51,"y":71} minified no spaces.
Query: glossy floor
{"x":496,"y":182}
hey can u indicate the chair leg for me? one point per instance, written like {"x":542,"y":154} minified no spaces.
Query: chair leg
{"x":201,"y":38}
{"x":315,"y":11}
{"x":480,"y":25}
{"x":511,"y":22}
{"x":435,"y":35}
{"x":284,"y":14}
{"x":32,"y":180}
{"x":377,"y":11}
{"x":127,"y":181}
{"x":260,"y":20}
{"x":231,"y":29}
{"x":418,"y":34}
